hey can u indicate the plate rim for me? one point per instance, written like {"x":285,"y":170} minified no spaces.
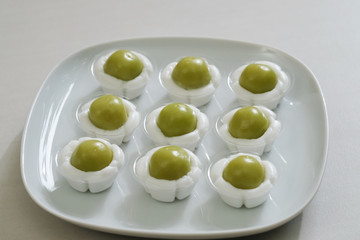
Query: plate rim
{"x":156,"y":233}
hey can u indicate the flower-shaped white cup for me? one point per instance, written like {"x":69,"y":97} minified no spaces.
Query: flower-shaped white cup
{"x":190,"y":140}
{"x":117,"y":136}
{"x":167,"y":190}
{"x":268,"y":99}
{"x":236,"y":197}
{"x":95,"y":181}
{"x":255,"y":146}
{"x":196,"y":97}
{"x":126,"y":89}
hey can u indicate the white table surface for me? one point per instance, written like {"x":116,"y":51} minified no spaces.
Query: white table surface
{"x":325,"y":35}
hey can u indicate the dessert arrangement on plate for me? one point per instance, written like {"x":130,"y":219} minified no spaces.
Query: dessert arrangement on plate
{"x":170,"y":171}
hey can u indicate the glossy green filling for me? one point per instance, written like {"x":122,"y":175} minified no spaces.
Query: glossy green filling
{"x":244,"y":172}
{"x":108,"y":112}
{"x":169,"y":163}
{"x":123,"y":65}
{"x":176,"y":119}
{"x":258,"y":78}
{"x":191,"y":73}
{"x":248,"y":123}
{"x":91,"y":155}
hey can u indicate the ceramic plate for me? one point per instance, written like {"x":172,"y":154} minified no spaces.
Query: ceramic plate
{"x":299,"y":153}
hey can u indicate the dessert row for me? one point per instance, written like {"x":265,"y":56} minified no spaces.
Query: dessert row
{"x":191,"y":80}
{"x":171,"y":170}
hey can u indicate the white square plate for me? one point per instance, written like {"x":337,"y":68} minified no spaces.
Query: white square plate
{"x":299,"y":153}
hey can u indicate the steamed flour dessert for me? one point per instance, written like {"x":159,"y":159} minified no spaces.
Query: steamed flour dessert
{"x":191,"y":80}
{"x":177,"y":124}
{"x":109,"y":117}
{"x":168,"y":172}
{"x":90,"y":164}
{"x":259,"y":83}
{"x":123,"y":73}
{"x":251,"y":129}
{"x":243,"y":179}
